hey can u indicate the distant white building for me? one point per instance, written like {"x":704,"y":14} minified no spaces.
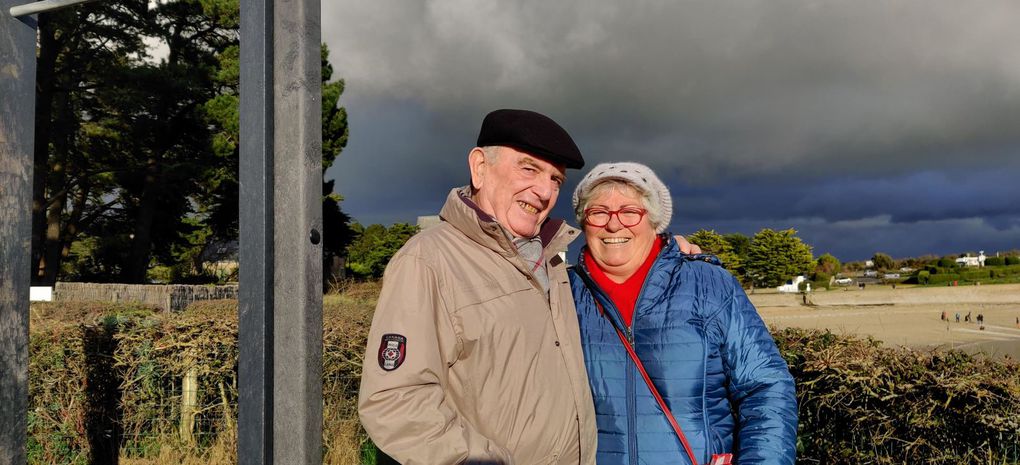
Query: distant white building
{"x":793,"y":285}
{"x":972,"y":261}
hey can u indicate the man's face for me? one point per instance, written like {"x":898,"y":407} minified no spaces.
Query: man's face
{"x":517,"y":189}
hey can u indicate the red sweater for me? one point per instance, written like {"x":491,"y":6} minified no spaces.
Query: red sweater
{"x":624,"y":295}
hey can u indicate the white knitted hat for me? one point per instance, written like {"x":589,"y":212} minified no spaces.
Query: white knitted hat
{"x":636,"y":174}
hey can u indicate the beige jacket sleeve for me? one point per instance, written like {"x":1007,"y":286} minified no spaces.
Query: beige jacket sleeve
{"x":406,"y":411}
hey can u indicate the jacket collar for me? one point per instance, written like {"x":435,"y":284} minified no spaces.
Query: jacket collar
{"x":670,"y":251}
{"x":462,"y":213}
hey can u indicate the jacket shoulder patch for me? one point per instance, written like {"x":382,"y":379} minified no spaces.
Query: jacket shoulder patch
{"x":392,"y":351}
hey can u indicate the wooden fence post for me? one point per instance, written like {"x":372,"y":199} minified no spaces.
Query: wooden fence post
{"x":189,"y":405}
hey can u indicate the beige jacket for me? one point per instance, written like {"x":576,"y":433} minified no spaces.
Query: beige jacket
{"x":467,"y":361}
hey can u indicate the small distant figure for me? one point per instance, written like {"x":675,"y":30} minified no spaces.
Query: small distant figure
{"x":966,"y":319}
{"x":981,"y":320}
{"x":958,"y":317}
{"x":943,"y":318}
{"x":1018,"y":322}
{"x":894,"y":286}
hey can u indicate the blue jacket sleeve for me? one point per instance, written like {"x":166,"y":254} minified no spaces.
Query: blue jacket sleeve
{"x":760,"y":385}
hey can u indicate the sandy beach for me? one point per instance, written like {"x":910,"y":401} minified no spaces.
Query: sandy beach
{"x":906,"y":316}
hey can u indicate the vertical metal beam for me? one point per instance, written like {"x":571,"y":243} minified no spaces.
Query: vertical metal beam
{"x":17,"y":128}
{"x":281,"y":222}
{"x":297,"y":111}
{"x":255,"y":299}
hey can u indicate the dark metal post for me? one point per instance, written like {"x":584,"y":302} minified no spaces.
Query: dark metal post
{"x":255,"y":322}
{"x":281,"y":221}
{"x":17,"y":127}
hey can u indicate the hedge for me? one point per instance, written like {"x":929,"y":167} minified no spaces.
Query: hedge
{"x":863,"y":403}
{"x":106,"y":383}
{"x":110,"y":383}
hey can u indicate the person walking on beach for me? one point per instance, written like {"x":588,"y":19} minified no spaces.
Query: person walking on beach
{"x":957,"y":317}
{"x":981,"y":319}
{"x":967,"y":318}
{"x":943,"y":317}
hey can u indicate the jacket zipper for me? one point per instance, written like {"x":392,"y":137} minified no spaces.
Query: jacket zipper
{"x":631,"y":416}
{"x":704,"y":387}
{"x":631,"y":367}
{"x":632,"y":393}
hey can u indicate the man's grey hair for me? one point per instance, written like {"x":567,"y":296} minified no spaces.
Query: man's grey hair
{"x":585,"y":198}
{"x":491,"y":153}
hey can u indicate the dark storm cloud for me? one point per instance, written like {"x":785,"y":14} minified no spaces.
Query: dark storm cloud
{"x":816,"y":111}
{"x":909,"y":198}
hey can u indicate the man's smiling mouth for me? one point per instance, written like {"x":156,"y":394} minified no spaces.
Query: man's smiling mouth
{"x":527,"y":207}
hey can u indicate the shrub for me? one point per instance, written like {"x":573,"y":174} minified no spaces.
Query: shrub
{"x":923,"y":277}
{"x":822,"y":280}
{"x":1011,"y":260}
{"x":976,"y":275}
{"x":946,"y":262}
{"x":943,"y":278}
{"x":995,"y":261}
{"x":862,"y":403}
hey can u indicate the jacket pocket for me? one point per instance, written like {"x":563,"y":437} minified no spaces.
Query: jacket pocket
{"x":493,"y":313}
{"x":478,"y":293}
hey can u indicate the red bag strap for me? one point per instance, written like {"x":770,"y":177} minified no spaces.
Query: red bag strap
{"x":651,"y":387}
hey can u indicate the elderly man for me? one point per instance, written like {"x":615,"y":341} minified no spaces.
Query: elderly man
{"x":474,"y":354}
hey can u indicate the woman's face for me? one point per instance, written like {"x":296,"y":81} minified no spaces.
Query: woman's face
{"x":618,"y":250}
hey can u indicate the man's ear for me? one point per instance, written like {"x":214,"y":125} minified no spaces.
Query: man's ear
{"x":478,"y":165}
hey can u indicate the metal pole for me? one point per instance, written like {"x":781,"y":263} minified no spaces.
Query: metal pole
{"x":281,"y":216}
{"x":17,"y":132}
{"x":44,"y":6}
{"x":255,"y":322}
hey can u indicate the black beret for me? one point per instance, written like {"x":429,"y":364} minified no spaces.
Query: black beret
{"x":532,"y":133}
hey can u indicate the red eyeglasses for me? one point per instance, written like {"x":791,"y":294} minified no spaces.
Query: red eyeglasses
{"x":600,"y":217}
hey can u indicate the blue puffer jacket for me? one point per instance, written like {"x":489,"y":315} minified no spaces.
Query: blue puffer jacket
{"x":710,"y":356}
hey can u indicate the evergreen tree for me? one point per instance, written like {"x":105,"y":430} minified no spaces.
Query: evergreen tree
{"x":776,"y":256}
{"x":713,"y":243}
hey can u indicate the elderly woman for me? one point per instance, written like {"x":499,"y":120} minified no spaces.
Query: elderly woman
{"x":682,"y":368}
